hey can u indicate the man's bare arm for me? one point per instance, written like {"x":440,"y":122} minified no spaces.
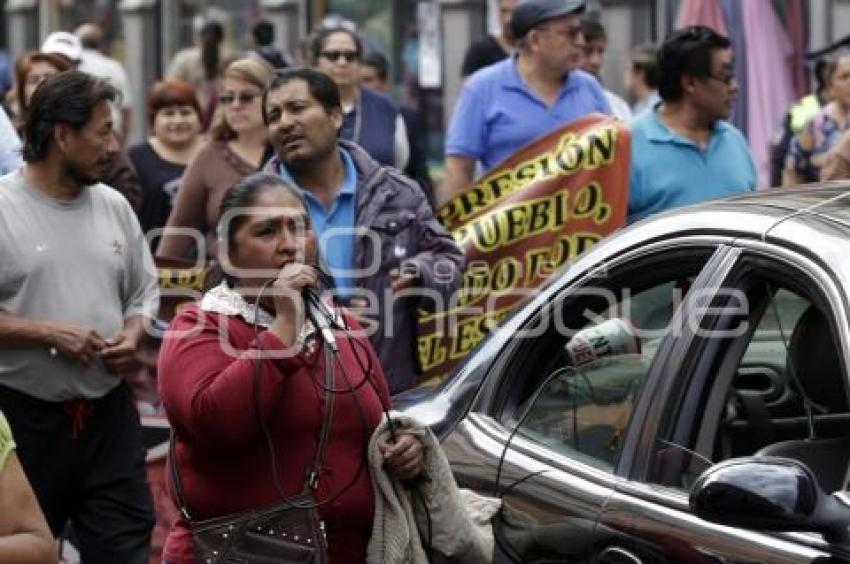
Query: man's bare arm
{"x":73,"y":341}
{"x":460,"y":173}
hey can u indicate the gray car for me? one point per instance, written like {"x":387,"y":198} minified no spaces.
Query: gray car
{"x":677,"y":394}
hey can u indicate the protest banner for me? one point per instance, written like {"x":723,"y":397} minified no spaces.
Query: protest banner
{"x":522,"y":221}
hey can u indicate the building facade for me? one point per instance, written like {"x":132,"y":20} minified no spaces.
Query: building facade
{"x":424,"y":39}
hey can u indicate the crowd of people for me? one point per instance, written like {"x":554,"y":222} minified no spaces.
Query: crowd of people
{"x":306,"y":188}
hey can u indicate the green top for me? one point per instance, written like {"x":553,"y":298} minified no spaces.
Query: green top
{"x":7,"y":443}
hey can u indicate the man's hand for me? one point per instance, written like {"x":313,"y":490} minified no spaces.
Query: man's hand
{"x":401,"y":279}
{"x":405,"y":457}
{"x":119,"y":354}
{"x":77,"y":343}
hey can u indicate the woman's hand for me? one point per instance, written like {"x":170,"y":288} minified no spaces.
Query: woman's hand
{"x":288,"y":301}
{"x":404,"y":457}
{"x":286,"y":290}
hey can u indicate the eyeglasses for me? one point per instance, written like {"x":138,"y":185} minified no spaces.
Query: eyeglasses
{"x":244,"y":98}
{"x":334,"y":56}
{"x":572,"y":33}
{"x":728,"y":79}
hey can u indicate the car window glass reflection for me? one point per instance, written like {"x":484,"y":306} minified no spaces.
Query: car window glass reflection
{"x":597,"y":373}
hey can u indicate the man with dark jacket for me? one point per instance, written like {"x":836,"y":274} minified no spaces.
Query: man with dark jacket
{"x":387,"y":253}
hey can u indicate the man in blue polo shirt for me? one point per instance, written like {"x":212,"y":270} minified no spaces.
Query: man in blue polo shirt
{"x":507,"y":105}
{"x":684,"y":152}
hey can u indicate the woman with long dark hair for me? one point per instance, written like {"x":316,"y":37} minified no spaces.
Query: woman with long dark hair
{"x":252,"y":390}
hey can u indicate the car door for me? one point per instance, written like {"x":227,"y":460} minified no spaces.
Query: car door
{"x":743,"y":392}
{"x":551,"y":443}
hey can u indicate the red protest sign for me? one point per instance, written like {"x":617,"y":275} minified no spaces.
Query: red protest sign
{"x":520,"y":222}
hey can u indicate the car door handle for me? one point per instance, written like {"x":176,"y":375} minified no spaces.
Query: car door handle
{"x":617,"y":555}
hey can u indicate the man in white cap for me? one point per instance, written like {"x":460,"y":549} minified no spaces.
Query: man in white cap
{"x":540,"y":88}
{"x":94,"y":62}
{"x":63,"y":43}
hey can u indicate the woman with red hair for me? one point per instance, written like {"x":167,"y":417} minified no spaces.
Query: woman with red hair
{"x":31,"y":69}
{"x":174,"y":118}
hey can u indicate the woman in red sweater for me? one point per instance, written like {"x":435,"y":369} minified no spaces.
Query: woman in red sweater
{"x":207,"y":369}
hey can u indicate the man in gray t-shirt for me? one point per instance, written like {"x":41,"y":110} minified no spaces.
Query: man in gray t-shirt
{"x":76,"y":284}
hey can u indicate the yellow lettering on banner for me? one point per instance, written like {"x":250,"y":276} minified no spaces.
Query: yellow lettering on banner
{"x":602,"y":148}
{"x":590,"y":203}
{"x":538,"y":264}
{"x":506,"y":275}
{"x":471,"y":331}
{"x":506,"y":226}
{"x":431,"y":351}
{"x":468,"y":335}
{"x":181,"y":278}
{"x":509,"y":272}
{"x":573,"y":153}
{"x":475,"y":284}
{"x":478,"y":283}
{"x":542,"y":262}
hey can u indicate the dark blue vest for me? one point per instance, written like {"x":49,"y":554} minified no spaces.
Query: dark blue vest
{"x":377,"y":126}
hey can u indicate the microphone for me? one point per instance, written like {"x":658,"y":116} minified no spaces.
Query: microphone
{"x":320,"y":316}
{"x":611,"y":338}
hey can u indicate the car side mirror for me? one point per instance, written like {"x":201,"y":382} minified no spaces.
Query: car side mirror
{"x":770,"y":494}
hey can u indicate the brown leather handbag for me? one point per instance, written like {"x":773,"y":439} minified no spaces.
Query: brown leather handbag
{"x":289,"y":532}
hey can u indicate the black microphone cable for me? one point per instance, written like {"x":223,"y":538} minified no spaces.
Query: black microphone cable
{"x":559,"y":372}
{"x":330,"y":357}
{"x":286,"y":500}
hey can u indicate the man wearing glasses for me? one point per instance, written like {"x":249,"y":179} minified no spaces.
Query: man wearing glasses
{"x":684,"y":151}
{"x":505,"y":106}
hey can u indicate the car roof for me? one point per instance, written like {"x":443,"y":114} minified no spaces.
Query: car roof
{"x":830,"y":201}
{"x":814,"y":204}
{"x":814,"y":220}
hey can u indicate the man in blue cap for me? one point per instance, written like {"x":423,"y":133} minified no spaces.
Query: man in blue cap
{"x":507,"y":105}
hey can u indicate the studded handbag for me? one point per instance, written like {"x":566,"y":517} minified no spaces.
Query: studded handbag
{"x":288,"y":532}
{"x":279,"y":534}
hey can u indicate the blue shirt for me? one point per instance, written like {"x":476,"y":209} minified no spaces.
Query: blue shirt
{"x":669,"y":170}
{"x":334,"y":227}
{"x":10,"y":146}
{"x":497,"y":114}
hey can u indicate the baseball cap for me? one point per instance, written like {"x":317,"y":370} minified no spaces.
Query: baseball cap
{"x":65,"y":44}
{"x":528,"y":14}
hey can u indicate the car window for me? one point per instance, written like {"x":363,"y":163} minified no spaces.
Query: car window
{"x":785,"y":394}
{"x":595,"y":373}
{"x":762,"y":385}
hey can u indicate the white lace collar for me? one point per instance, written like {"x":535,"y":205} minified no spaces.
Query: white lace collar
{"x":226,"y":301}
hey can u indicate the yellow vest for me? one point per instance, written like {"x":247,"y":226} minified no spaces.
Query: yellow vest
{"x":802,"y":111}
{"x":7,"y":443}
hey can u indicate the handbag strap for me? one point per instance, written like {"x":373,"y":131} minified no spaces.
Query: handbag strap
{"x":175,"y":478}
{"x":312,"y":476}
